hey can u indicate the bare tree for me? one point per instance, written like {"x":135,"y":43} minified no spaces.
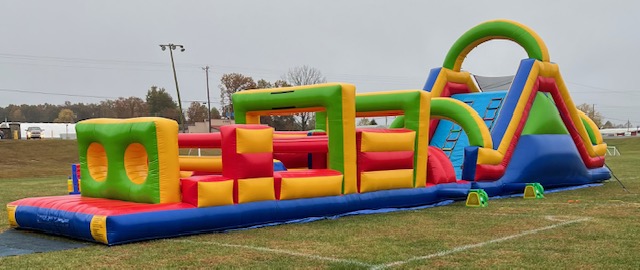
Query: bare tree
{"x":590,"y":110}
{"x":304,"y":75}
{"x":231,"y":83}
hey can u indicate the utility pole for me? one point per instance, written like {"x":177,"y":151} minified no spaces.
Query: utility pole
{"x":172,"y":47}
{"x":593,"y":111}
{"x":206,"y":72}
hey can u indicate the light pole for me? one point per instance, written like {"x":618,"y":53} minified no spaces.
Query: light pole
{"x":206,"y":71}
{"x":172,"y":47}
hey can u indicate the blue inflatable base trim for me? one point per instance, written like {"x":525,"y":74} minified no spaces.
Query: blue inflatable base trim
{"x":141,"y":226}
{"x":134,"y":227}
{"x":354,"y":213}
{"x":554,"y":190}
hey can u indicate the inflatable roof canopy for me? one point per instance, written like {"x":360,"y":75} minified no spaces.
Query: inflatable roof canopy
{"x":448,"y":138}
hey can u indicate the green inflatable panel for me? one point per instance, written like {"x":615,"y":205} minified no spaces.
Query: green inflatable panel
{"x":592,"y":135}
{"x":544,"y":118}
{"x":100,"y":142}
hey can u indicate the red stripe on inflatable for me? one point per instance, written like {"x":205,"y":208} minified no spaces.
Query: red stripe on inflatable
{"x":312,"y":144}
{"x":293,"y":160}
{"x":382,"y":161}
{"x":97,"y":206}
{"x":452,"y":88}
{"x":199,"y":140}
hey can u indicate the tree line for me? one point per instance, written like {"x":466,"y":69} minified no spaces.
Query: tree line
{"x":158,"y":102}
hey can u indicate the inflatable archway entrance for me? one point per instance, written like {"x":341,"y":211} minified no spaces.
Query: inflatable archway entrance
{"x":498,"y":29}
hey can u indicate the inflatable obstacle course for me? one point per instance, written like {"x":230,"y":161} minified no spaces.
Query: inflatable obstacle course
{"x":450,"y":141}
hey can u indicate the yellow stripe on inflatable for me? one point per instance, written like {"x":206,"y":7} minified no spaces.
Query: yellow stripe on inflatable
{"x":283,"y":89}
{"x":387,"y":142}
{"x":489,"y":156}
{"x":519,"y":110}
{"x":98,"y":227}
{"x":349,"y":137}
{"x":201,"y":164}
{"x":310,"y":187}
{"x":11,"y":211}
{"x":422,"y":140}
{"x":256,"y":189}
{"x":383,"y":180}
{"x":447,"y":75}
{"x":169,"y":174}
{"x":276,"y":135}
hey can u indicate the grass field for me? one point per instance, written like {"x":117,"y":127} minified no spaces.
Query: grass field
{"x":589,"y":228}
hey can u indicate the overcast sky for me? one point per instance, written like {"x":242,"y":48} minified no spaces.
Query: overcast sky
{"x":86,"y":51}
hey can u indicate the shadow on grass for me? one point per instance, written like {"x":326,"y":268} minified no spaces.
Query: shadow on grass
{"x":16,"y":242}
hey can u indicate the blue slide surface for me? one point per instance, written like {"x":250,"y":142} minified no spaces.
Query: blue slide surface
{"x":452,"y":139}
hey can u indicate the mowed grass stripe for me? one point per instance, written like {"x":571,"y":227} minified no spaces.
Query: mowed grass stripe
{"x":481,"y":244}
{"x":279,"y":251}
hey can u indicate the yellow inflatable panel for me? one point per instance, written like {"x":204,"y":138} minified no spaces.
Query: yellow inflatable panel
{"x":489,"y":156}
{"x":254,"y":140}
{"x":256,"y":189}
{"x":11,"y":211}
{"x":382,"y":180}
{"x":310,"y":187}
{"x":215,"y":193}
{"x":98,"y":227}
{"x":388,"y":142}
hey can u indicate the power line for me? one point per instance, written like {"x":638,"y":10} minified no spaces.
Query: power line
{"x":52,"y":94}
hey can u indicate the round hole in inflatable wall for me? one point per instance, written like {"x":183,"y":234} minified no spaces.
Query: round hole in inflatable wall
{"x":136,"y":163}
{"x":97,"y":162}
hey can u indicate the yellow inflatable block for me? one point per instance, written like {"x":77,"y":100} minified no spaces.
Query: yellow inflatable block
{"x":310,"y":187}
{"x":387,"y":142}
{"x":489,"y":156}
{"x":254,"y":140}
{"x":98,"y":228}
{"x":215,"y":193}
{"x":11,"y":210}
{"x":256,"y":189}
{"x":382,"y":180}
